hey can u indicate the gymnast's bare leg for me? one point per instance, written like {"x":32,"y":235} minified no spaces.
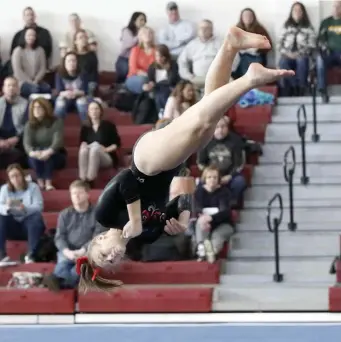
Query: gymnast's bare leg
{"x":170,"y":146}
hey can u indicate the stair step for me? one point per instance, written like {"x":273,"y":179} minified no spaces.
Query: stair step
{"x":324,"y":113}
{"x":271,"y":297}
{"x":301,"y":192}
{"x":318,"y":267}
{"x":298,"y":203}
{"x":288,"y":133}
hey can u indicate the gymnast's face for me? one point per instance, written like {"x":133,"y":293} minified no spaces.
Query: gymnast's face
{"x":109,"y":248}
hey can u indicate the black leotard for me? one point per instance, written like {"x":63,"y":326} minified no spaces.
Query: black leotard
{"x":130,"y":185}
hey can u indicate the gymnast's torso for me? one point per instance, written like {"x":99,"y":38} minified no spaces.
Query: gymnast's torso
{"x":130,"y":185}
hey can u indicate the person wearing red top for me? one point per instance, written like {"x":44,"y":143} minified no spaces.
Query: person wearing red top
{"x":141,"y":57}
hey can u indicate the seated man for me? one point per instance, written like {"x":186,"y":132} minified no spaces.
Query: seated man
{"x":13,"y":115}
{"x":225,"y":151}
{"x":198,"y":55}
{"x":75,"y":228}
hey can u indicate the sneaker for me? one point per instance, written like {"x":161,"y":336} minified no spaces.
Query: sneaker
{"x":6,"y":262}
{"x":201,"y":254}
{"x":52,"y":282}
{"x":209,"y":251}
{"x":28,"y":259}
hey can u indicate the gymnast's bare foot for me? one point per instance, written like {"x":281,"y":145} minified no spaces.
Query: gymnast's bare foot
{"x":259,"y":76}
{"x":130,"y":231}
{"x":238,"y":39}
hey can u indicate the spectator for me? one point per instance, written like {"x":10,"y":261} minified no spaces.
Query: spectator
{"x":198,"y":54}
{"x":214,"y":225}
{"x":129,"y":39}
{"x":43,"y":142}
{"x":75,"y":229}
{"x":182,"y":97}
{"x":29,"y":65}
{"x":44,"y":38}
{"x":13,"y":115}
{"x":329,"y":43}
{"x":75,"y":25}
{"x":248,"y":22}
{"x":87,"y":60}
{"x":178,"y":32}
{"x":72,"y":88}
{"x":99,"y":143}
{"x":141,"y":57}
{"x":225,"y":152}
{"x":163,"y":75}
{"x":21,"y":206}
{"x":296,"y":45}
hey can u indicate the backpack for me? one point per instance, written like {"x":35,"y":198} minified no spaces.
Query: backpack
{"x":25,"y":280}
{"x":123,"y":100}
{"x":46,"y":250}
{"x":144,"y":110}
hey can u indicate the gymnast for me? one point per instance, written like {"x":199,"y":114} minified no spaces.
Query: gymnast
{"x":133,"y":206}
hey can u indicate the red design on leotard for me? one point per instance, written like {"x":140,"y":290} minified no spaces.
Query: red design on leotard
{"x":152,"y":214}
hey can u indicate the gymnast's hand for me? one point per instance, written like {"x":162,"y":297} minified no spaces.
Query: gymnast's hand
{"x":131,"y":230}
{"x":174,"y":227}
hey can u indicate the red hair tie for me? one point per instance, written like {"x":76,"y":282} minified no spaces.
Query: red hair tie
{"x":84,"y":260}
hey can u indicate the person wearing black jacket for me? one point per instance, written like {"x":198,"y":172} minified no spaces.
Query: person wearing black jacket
{"x":225,"y":151}
{"x":44,"y":37}
{"x":163,"y":75}
{"x":214,"y":225}
{"x":99,"y":142}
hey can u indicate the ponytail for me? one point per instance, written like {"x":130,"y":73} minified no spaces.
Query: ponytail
{"x":91,"y":281}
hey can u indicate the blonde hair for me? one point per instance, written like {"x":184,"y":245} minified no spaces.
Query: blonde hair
{"x":207,"y":170}
{"x":144,"y":30}
{"x":88,"y":271}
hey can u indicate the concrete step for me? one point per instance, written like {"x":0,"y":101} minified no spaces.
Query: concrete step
{"x":264,"y":241}
{"x":310,"y":191}
{"x":320,"y":152}
{"x":246,"y":280}
{"x":298,"y":203}
{"x":316,"y":171}
{"x":323,"y":217}
{"x":313,"y":267}
{"x":327,"y":113}
{"x":288,"y":133}
{"x":273,"y":297}
{"x":321,"y":226}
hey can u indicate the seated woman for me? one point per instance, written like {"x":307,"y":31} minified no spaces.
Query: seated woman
{"x":163,"y":75}
{"x":214,"y":225}
{"x":99,"y":142}
{"x":296,"y":44}
{"x":141,"y":57}
{"x":72,"y":88}
{"x":128,"y":41}
{"x":29,"y":65}
{"x":182,"y":98}
{"x":44,"y":142}
{"x":134,"y":206}
{"x":248,"y":22}
{"x":21,"y":206}
{"x":87,"y":60}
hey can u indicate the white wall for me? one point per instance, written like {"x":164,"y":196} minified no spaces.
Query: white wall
{"x":106,"y":17}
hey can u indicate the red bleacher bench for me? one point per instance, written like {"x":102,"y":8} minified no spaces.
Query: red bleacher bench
{"x":253,"y":115}
{"x":334,"y":76}
{"x":36,"y":301}
{"x":41,"y":267}
{"x":335,"y":299}
{"x":180,"y":272}
{"x":139,"y":299}
{"x":254,"y":132}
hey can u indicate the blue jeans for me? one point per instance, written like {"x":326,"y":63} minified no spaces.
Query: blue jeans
{"x":65,"y":270}
{"x":301,"y":67}
{"x":44,"y":168}
{"x":30,"y":88}
{"x":161,"y":94}
{"x":63,"y":106}
{"x":323,"y":63}
{"x":92,"y":86}
{"x":30,"y":229}
{"x":245,"y":60}
{"x":134,"y":83}
{"x":237,"y":185}
{"x":122,"y":68}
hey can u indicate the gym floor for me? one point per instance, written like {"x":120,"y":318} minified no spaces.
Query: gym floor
{"x":171,"y":333}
